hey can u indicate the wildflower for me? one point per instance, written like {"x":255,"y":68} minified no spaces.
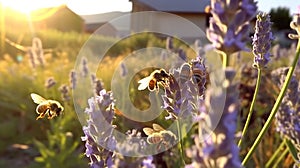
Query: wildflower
{"x":97,"y":84}
{"x":64,"y":90}
{"x":32,"y":58}
{"x":182,"y":96}
{"x":229,"y":24}
{"x":37,"y":49}
{"x":133,"y":145}
{"x":50,"y":82}
{"x":219,"y":148}
{"x":73,"y":79}
{"x":169,"y":43}
{"x":288,"y":116}
{"x":99,"y":112}
{"x":147,"y":162}
{"x":124,"y":70}
{"x":262,"y":40}
{"x":295,"y":24}
{"x":85,"y":69}
{"x":182,"y":54}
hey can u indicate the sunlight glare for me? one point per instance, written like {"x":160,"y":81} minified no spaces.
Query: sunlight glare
{"x":25,"y":6}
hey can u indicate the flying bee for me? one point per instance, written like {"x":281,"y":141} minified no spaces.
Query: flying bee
{"x":153,"y":80}
{"x":160,"y":136}
{"x":50,"y":107}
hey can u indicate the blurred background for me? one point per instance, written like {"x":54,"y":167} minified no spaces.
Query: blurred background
{"x":39,"y":44}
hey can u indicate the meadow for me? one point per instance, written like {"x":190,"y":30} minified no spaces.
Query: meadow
{"x":27,"y":142}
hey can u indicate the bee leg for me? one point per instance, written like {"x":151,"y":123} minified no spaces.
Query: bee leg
{"x":38,"y":117}
{"x":50,"y":116}
{"x":42,"y":115}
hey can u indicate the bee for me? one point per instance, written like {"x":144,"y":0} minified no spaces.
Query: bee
{"x":50,"y":107}
{"x":160,"y":136}
{"x":153,"y":80}
{"x":185,"y":72}
{"x":199,"y":73}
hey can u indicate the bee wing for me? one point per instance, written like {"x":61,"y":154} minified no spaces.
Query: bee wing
{"x":144,"y":83}
{"x":148,"y":131}
{"x":37,"y":98}
{"x":158,"y":128}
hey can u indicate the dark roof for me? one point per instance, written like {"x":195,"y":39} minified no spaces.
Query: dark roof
{"x":184,"y":6}
{"x":121,"y":24}
{"x":102,"y":17}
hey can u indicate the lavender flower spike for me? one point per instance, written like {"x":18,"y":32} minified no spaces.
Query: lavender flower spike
{"x":230,"y":23}
{"x":288,"y":115}
{"x":219,"y":148}
{"x":73,"y":79}
{"x":50,"y":82}
{"x":262,"y":40}
{"x":100,"y":111}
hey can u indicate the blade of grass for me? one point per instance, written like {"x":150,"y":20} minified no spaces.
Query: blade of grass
{"x":272,"y":159}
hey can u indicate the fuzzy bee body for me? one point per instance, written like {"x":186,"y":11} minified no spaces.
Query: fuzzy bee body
{"x":159,"y":136}
{"x":52,"y":108}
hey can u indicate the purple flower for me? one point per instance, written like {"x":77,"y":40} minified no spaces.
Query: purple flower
{"x":218,"y":148}
{"x":288,"y":115}
{"x":37,"y":49}
{"x":180,"y":98}
{"x":85,"y":69}
{"x":97,"y":84}
{"x":147,"y":162}
{"x":262,"y":41}
{"x":98,"y":134}
{"x":169,"y":43}
{"x":64,"y":90}
{"x":50,"y":82}
{"x":230,"y":23}
{"x":124,"y":70}
{"x":73,"y":79}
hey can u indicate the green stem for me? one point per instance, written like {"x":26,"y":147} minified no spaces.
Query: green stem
{"x":180,"y":142}
{"x":275,"y":107}
{"x":271,"y":160}
{"x":251,"y":106}
{"x":281,"y":157}
{"x":225,"y":60}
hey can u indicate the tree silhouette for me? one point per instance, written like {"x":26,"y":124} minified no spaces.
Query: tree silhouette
{"x":281,"y":18}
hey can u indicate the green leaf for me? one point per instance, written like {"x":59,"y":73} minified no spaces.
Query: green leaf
{"x":292,"y":149}
{"x":39,"y":159}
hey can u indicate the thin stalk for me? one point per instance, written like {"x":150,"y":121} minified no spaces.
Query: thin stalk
{"x":271,"y":160}
{"x":251,"y":106}
{"x":275,"y":107}
{"x":180,"y":142}
{"x":225,"y":60}
{"x":281,"y":157}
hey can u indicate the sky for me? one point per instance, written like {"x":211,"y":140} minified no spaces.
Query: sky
{"x":101,"y":6}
